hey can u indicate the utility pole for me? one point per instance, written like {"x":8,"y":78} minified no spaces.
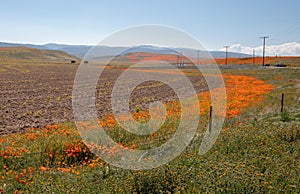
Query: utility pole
{"x":181,"y":64}
{"x":264,"y":49}
{"x":253,"y":56}
{"x":226,"y":54}
{"x":198,"y":55}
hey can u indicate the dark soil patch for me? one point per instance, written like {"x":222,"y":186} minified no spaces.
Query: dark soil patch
{"x":34,"y":95}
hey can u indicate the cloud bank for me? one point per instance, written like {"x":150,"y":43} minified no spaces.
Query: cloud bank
{"x":287,"y":49}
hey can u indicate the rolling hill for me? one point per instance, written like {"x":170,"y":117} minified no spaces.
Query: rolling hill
{"x":21,"y":53}
{"x":134,"y":57}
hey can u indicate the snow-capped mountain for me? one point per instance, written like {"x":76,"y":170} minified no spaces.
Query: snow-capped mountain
{"x":287,"y":49}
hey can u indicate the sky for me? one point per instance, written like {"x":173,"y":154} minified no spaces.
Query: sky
{"x":214,"y":23}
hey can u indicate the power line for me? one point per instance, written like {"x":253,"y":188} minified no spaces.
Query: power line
{"x":198,"y":53}
{"x":226,"y":54}
{"x":264,"y":49}
{"x":182,"y":60}
{"x":253,"y":56}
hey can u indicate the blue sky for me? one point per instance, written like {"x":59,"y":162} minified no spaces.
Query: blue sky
{"x":214,"y":23}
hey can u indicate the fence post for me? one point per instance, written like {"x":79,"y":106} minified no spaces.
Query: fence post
{"x":210,"y":118}
{"x":282,"y":100}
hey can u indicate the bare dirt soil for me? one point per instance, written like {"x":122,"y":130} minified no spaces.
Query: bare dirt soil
{"x":37,"y":94}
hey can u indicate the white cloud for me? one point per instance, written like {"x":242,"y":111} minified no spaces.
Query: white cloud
{"x":287,"y":49}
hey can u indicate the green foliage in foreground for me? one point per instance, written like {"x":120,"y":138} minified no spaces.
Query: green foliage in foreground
{"x":259,"y":152}
{"x":246,"y":158}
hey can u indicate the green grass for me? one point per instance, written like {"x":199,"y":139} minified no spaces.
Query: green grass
{"x":258,"y":153}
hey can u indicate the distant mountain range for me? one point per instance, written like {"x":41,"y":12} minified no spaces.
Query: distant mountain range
{"x":235,"y":51}
{"x":287,"y":49}
{"x":102,"y":51}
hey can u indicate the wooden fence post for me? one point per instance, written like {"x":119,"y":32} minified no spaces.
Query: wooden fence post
{"x":210,"y":118}
{"x":282,"y":100}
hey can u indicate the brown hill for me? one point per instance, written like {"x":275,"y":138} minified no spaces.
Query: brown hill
{"x":32,"y":54}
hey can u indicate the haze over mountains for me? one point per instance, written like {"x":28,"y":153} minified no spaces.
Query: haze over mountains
{"x":235,"y":51}
{"x":102,"y":51}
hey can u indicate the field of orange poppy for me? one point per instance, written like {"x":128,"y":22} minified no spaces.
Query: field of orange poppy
{"x":291,"y":61}
{"x":252,"y":153}
{"x":242,"y":92}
